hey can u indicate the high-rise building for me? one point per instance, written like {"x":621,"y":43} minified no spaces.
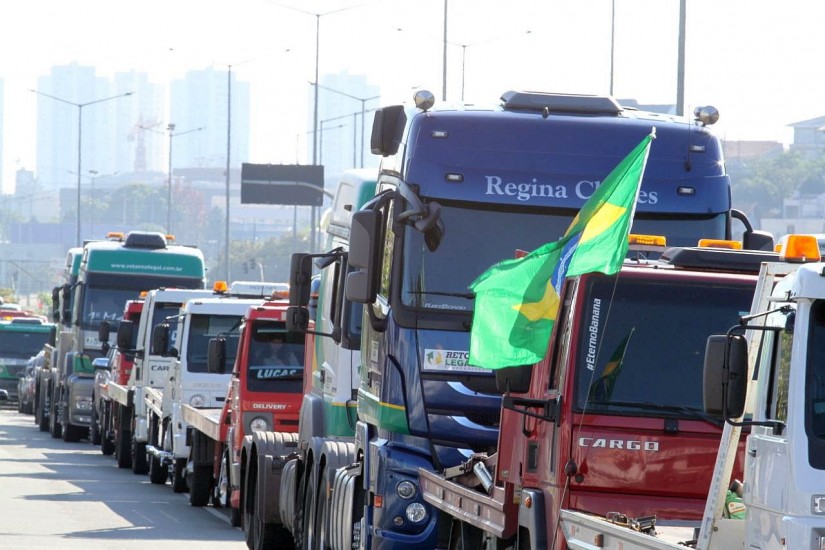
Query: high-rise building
{"x":141,"y":123}
{"x":200,"y":100}
{"x":58,"y":123}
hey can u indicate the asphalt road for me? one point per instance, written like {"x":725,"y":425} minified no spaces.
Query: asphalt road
{"x":56,"y":495}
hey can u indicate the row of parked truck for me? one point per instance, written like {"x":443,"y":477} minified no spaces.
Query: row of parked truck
{"x":382,"y":434}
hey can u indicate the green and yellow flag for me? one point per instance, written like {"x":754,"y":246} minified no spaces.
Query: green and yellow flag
{"x":517,"y":300}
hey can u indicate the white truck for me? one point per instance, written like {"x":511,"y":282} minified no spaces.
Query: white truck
{"x":184,"y":340}
{"x":767,"y":374}
{"x":125,"y":424}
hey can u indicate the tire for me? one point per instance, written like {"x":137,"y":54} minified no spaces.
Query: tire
{"x":54,"y":425}
{"x":200,"y":484}
{"x":94,"y":429}
{"x":123,"y":440}
{"x":179,"y":476}
{"x":222,"y":493}
{"x":140,"y":465}
{"x":248,"y":504}
{"x":71,"y":433}
{"x":158,"y":473}
{"x":269,"y":535}
{"x":322,"y":512}
{"x":19,"y":405}
{"x":40,"y":417}
{"x":463,"y":536}
{"x":309,"y":540}
{"x":107,"y":446}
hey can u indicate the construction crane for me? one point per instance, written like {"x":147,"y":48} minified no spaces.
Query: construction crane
{"x":137,"y":134}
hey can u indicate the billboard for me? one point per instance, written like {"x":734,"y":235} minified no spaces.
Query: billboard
{"x":294,"y":184}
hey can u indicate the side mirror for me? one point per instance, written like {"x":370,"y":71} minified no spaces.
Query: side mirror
{"x":297,"y":319}
{"x":725,"y":371}
{"x":125,"y":335}
{"x":101,"y":363}
{"x":65,"y":304}
{"x":56,"y":304}
{"x":300,"y":278}
{"x":103,"y":331}
{"x":216,"y":356}
{"x":362,"y":282}
{"x":160,"y":340}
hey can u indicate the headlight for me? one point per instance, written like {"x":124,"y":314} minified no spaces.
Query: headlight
{"x":259,"y":424}
{"x":197,"y":400}
{"x":83,"y":403}
{"x":406,"y":490}
{"x":416,"y":512}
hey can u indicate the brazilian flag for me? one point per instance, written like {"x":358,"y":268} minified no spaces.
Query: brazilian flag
{"x":516,"y":300}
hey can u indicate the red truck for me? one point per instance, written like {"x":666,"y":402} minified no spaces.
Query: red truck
{"x":264,"y":395}
{"x":612,"y":419}
{"x":121,"y":357}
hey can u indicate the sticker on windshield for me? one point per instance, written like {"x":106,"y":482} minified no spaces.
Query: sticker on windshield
{"x":446,"y":359}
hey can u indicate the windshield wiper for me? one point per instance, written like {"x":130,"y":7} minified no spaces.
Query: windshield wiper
{"x":467,"y":295}
{"x":656,"y":407}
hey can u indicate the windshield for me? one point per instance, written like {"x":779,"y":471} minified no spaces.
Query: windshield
{"x":643,"y":342}
{"x":476,"y":238}
{"x":203,"y":328}
{"x":276,"y":359}
{"x":22,"y":344}
{"x":103,"y":304}
{"x":167,"y":312}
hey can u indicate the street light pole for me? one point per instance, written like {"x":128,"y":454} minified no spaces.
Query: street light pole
{"x":317,"y":16}
{"x":363,"y":101}
{"x":171,"y":129}
{"x":79,"y":140}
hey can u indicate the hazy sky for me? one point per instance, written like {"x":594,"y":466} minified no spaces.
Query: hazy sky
{"x":755,"y":60}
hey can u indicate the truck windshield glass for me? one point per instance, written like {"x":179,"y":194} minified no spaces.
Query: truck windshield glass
{"x":475,"y":239}
{"x":643,"y":341}
{"x":276,"y":359}
{"x":22,"y":345}
{"x":440,"y":279}
{"x":103,"y":304}
{"x":167,"y":312}
{"x":202,"y":329}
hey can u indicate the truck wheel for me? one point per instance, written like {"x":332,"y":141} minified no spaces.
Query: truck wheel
{"x":107,"y":446}
{"x":40,"y":417}
{"x":158,"y":474}
{"x":248,"y":504}
{"x":464,"y":536}
{"x":179,"y":476}
{"x":200,"y":482}
{"x":123,"y":437}
{"x":322,"y":512}
{"x":140,"y":465}
{"x":54,"y":425}
{"x":94,"y":429}
{"x":222,"y":493}
{"x":308,"y":534}
{"x":71,"y":433}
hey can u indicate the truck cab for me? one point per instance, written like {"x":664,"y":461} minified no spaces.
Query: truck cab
{"x":613,"y":418}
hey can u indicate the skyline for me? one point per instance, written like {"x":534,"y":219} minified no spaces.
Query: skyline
{"x":760,"y":81}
